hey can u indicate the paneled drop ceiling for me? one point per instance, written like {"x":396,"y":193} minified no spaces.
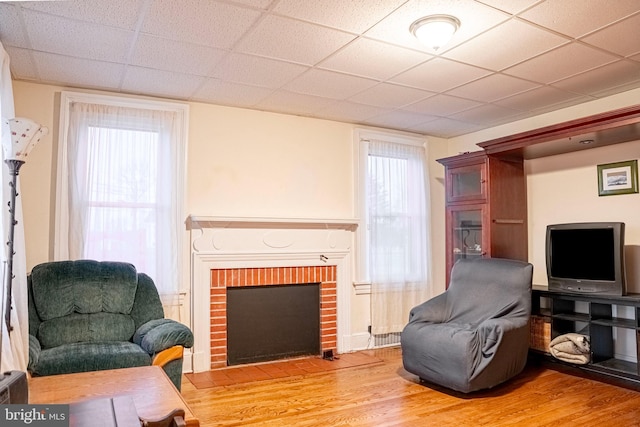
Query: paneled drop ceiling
{"x":347,"y":60}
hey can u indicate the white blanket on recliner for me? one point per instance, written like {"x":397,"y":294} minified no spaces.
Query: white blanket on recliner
{"x":572,"y":348}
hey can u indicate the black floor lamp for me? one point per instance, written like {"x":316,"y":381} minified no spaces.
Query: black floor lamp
{"x":25,"y":134}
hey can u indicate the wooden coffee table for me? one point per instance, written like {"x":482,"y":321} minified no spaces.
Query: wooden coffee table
{"x":152,"y":391}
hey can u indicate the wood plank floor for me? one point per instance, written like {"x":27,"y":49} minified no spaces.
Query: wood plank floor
{"x":384,"y":394}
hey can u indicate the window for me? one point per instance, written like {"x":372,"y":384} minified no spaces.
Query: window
{"x":393,"y":242}
{"x":120,"y":184}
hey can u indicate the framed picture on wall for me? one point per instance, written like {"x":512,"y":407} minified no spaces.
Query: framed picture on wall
{"x":618,"y":178}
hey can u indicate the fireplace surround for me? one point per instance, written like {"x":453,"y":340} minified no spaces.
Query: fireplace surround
{"x":221,"y":279}
{"x":266,"y":252}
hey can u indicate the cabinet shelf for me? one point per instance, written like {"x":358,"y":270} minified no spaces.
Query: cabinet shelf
{"x":574,"y":317}
{"x":616,"y":323}
{"x":560,"y":308}
{"x":617,"y":365}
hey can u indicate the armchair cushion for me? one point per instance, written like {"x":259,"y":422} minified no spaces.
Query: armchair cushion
{"x":160,"y":334}
{"x":90,"y":356}
{"x":78,"y":327}
{"x":67,"y":287}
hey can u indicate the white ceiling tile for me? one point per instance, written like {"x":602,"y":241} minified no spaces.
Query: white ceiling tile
{"x":576,"y":18}
{"x":373,"y":59}
{"x":474,"y":17}
{"x":355,"y":15}
{"x":224,"y":93}
{"x":160,"y":83}
{"x":485,"y":113}
{"x":491,"y":88}
{"x":22,"y":64}
{"x":547,"y":108}
{"x":290,"y":40}
{"x":622,"y":38}
{"x":210,"y":23}
{"x":78,"y":39}
{"x":171,"y":55}
{"x":329,"y":84}
{"x":603,"y":79}
{"x":553,"y":66}
{"x":253,"y":70}
{"x":390,"y":95}
{"x":538,"y":98}
{"x":11,"y":31}
{"x":113,"y":13}
{"x":78,"y":72}
{"x":439,"y":75}
{"x":505,"y":45}
{"x":260,"y":4}
{"x":442,"y":105}
{"x":293,"y":103}
{"x":349,"y":111}
{"x":510,"y":6}
{"x":398,"y":119}
{"x":445,"y":128}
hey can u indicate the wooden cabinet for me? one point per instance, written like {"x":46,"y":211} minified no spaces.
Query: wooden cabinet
{"x":604,"y":319}
{"x":486,"y":209}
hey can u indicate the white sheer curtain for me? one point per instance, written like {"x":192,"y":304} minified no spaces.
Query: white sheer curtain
{"x":398,"y":224}
{"x":15,"y":344}
{"x":123,"y":194}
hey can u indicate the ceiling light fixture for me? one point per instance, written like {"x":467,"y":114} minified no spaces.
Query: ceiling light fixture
{"x":435,"y":31}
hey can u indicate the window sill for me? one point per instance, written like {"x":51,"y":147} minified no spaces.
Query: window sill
{"x":362,"y":288}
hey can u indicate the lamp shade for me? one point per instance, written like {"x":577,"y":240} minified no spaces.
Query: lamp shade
{"x":435,"y":31}
{"x":25,"y":134}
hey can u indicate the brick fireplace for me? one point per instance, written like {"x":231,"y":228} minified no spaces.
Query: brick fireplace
{"x":221,"y":279}
{"x":236,"y":252}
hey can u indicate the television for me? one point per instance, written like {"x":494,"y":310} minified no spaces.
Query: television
{"x":586,"y":257}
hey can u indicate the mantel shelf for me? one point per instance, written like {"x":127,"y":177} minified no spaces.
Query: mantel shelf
{"x":203,"y":221}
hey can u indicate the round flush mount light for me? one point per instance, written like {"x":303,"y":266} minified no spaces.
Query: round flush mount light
{"x":435,"y":31}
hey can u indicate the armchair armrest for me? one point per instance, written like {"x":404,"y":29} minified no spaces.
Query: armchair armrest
{"x":160,"y":334}
{"x":34,"y":352}
{"x":433,"y":310}
{"x":168,"y":355}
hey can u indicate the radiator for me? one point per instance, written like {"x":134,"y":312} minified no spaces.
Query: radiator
{"x":386,"y":340}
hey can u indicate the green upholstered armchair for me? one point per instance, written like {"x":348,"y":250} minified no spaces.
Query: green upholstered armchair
{"x":88,"y":315}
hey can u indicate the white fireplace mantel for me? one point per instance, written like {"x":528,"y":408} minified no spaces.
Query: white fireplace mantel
{"x":219,"y":242}
{"x":204,"y":221}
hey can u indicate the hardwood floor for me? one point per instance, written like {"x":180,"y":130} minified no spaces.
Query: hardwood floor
{"x":384,"y":394}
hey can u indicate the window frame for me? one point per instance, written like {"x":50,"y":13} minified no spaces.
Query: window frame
{"x":361,"y":138}
{"x":61,"y":225}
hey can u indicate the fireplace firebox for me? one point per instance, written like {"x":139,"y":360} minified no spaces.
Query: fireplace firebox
{"x":272,"y":322}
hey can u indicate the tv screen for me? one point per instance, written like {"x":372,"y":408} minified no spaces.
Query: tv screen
{"x":586,"y":257}
{"x":583,"y":253}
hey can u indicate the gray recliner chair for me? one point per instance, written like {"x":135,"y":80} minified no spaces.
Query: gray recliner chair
{"x":475,"y":335}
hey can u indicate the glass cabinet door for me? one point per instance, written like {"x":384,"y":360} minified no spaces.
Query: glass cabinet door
{"x":466,"y":183}
{"x":466,"y":234}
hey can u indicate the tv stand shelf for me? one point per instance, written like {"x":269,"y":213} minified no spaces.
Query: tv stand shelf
{"x":591,"y":315}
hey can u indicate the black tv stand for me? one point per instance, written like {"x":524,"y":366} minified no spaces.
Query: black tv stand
{"x":594,"y":318}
